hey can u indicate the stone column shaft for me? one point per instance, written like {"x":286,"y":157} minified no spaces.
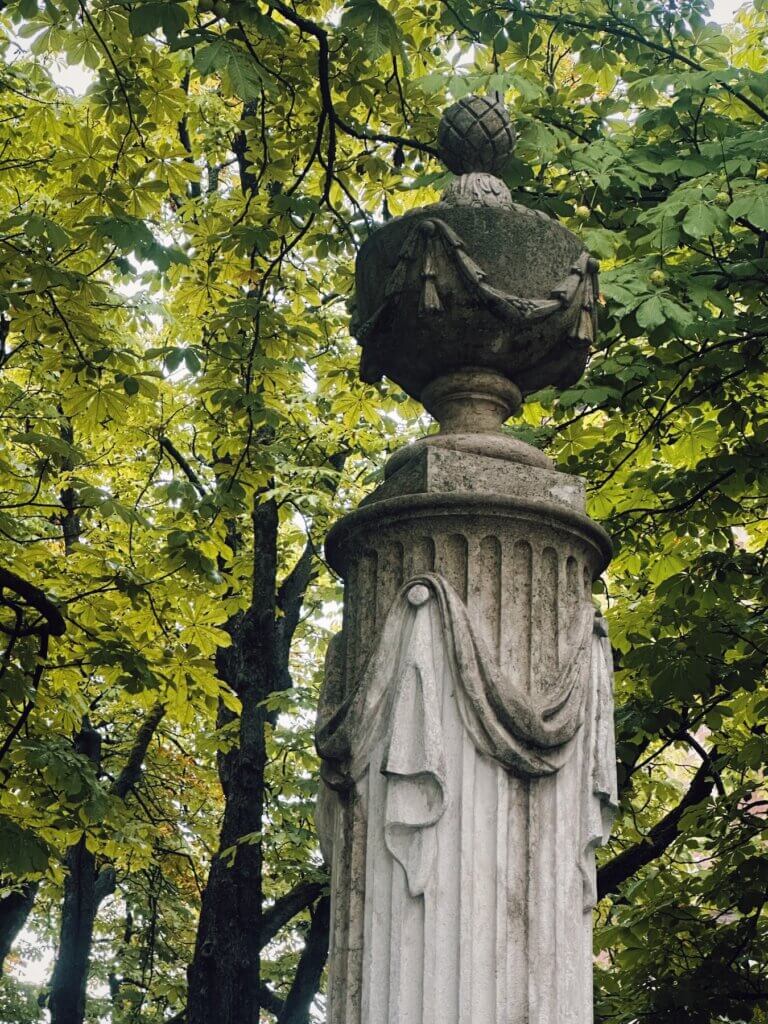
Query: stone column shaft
{"x":502,"y":931}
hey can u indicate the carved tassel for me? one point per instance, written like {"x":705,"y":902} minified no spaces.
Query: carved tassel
{"x":430,"y":298}
{"x":585,"y":330}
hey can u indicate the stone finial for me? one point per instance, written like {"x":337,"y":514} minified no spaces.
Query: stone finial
{"x":476,"y":134}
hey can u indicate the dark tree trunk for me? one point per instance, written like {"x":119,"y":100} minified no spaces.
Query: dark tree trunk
{"x":224,"y":976}
{"x":14,"y":911}
{"x":85,"y":888}
{"x":70,"y":973}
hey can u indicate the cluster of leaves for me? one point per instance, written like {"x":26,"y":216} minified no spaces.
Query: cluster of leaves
{"x":178,"y":240}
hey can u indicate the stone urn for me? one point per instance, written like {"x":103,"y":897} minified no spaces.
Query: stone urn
{"x":475,"y":295}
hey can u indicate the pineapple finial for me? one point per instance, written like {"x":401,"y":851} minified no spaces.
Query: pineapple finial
{"x":476,"y":134}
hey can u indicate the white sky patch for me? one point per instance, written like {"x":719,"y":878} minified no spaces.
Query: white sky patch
{"x":74,"y":77}
{"x":34,"y":970}
{"x":724,"y":10}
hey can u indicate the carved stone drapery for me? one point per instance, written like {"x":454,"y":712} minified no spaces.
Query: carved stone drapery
{"x":526,"y":733}
{"x":434,"y":260}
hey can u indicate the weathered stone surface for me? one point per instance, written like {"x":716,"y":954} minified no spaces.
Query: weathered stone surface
{"x":466,"y":723}
{"x":451,"y":286}
{"x":476,"y":135}
{"x":434,"y":471}
{"x":497,"y":926}
{"x":475,"y":280}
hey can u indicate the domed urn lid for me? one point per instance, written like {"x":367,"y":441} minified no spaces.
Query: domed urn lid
{"x":475,"y":283}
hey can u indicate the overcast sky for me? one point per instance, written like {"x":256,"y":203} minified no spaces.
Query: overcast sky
{"x":723,"y":9}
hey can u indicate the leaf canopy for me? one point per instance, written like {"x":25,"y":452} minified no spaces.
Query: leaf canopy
{"x":183,"y":188}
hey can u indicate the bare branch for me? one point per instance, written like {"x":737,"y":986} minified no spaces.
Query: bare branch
{"x":287,"y":907}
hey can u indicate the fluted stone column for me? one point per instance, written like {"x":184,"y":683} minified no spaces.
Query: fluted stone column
{"x":466,"y":722}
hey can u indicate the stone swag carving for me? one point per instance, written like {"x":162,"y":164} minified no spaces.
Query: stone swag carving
{"x":465,"y":725}
{"x":427,"y":633}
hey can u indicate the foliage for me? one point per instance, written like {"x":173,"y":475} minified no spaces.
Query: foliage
{"x":177,"y":249}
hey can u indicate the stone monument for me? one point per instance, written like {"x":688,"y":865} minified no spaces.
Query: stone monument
{"x":466,"y":720}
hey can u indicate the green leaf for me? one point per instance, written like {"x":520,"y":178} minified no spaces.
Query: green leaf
{"x":241,"y":74}
{"x":380,"y":33}
{"x":145,"y":18}
{"x":133,"y":235}
{"x":213,"y":58}
{"x":244,"y":75}
{"x":700,"y":221}
{"x":192,"y":361}
{"x":650,"y":313}
{"x":21,"y":852}
{"x":752,"y":207}
{"x":148,"y":17}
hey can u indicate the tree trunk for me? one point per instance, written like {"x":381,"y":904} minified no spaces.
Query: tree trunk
{"x":85,"y":888}
{"x":224,"y":976}
{"x":70,"y":973}
{"x":14,"y":911}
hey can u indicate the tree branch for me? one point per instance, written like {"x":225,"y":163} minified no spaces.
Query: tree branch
{"x":42,"y":655}
{"x":194,"y":189}
{"x":34,"y":596}
{"x":306,"y":981}
{"x":287,"y":907}
{"x":707,"y":761}
{"x":180,"y":461}
{"x":290,"y":598}
{"x":270,"y":1001}
{"x":106,"y":882}
{"x":612,"y":875}
{"x":632,"y":35}
{"x":324,"y":69}
{"x":118,"y":75}
{"x":131,"y":772}
{"x":14,"y":911}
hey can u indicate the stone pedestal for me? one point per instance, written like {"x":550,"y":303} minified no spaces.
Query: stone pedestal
{"x":466,"y":721}
{"x":467,"y":737}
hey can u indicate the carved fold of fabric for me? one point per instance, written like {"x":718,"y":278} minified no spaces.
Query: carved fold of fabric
{"x":414,"y":760}
{"x":599,"y":789}
{"x":528,"y":735}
